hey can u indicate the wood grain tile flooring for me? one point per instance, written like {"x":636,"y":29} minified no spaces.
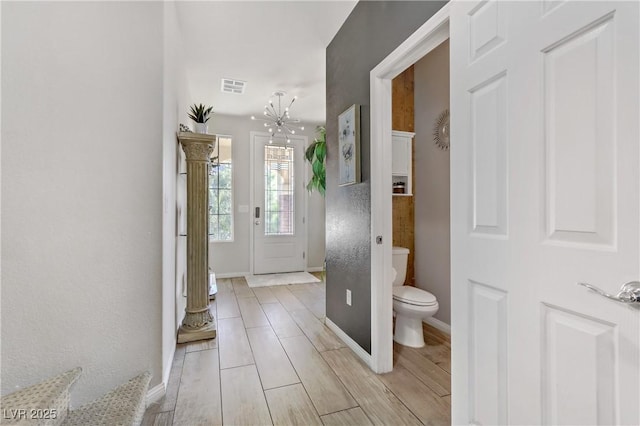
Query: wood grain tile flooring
{"x":243,"y":399}
{"x":326,"y":391}
{"x":352,"y":416}
{"x":290,"y":405}
{"x":275,"y":362}
{"x":199,"y":393}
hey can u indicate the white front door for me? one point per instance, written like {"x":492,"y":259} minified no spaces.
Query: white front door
{"x":545,"y":194}
{"x":279,"y":229}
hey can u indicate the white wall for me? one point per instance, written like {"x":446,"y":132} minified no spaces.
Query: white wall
{"x":82,"y":192}
{"x":1,"y":198}
{"x":233,"y":257}
{"x":431,"y":186}
{"x":176,"y":108}
{"x":174,"y":111}
{"x":169,"y":120}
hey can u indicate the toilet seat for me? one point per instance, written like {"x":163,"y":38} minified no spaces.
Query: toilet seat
{"x":414,"y":296}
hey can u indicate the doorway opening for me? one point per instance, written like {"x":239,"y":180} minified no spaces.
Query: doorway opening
{"x":427,"y":38}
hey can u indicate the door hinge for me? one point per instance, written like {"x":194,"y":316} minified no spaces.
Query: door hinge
{"x":303,"y":219}
{"x":303,"y":255}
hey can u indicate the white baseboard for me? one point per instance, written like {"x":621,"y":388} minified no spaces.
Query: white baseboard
{"x":315,"y":269}
{"x":231,"y":274}
{"x":349,"y":341}
{"x":167,"y":370}
{"x":156,"y":393}
{"x":442,"y":326}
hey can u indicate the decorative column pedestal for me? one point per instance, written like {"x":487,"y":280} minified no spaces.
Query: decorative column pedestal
{"x":198,"y":323}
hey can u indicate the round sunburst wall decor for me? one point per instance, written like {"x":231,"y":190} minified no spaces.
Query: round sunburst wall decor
{"x":441,"y":130}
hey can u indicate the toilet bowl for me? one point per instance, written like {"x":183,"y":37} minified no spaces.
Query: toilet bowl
{"x":410,"y":304}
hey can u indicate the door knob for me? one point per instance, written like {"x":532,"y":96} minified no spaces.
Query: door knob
{"x":629,"y":292}
{"x":257,"y":222}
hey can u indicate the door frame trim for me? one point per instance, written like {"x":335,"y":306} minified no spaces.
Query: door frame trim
{"x":252,"y":171}
{"x":430,"y":35}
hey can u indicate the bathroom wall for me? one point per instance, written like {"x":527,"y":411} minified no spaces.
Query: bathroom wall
{"x":403,"y":118}
{"x":372,"y":31}
{"x":431,"y":189}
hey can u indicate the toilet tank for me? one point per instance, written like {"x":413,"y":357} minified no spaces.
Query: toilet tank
{"x":399,"y":262}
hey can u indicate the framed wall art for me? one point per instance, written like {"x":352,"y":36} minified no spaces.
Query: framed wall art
{"x":349,"y":146}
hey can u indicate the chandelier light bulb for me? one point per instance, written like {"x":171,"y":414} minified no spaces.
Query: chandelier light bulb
{"x":253,"y":117}
{"x":270,"y":129}
{"x":293,"y":132}
{"x":301,"y":127}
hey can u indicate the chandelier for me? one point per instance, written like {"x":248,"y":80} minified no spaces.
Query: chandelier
{"x":278,"y":121}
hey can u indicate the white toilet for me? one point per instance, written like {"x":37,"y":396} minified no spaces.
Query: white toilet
{"x":410,"y":304}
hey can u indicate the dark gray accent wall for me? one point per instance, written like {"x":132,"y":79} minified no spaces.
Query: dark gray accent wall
{"x":372,"y":31}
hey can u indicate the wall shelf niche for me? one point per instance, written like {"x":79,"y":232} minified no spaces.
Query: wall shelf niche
{"x":401,"y":162}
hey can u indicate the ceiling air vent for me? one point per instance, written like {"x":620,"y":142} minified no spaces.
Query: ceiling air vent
{"x":230,"y":85}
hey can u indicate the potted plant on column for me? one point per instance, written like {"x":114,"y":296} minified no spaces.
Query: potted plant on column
{"x":200,"y":114}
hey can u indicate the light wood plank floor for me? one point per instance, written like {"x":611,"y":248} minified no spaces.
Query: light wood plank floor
{"x":275,"y":362}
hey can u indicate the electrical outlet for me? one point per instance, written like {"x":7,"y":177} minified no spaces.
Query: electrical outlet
{"x":349,"y":297}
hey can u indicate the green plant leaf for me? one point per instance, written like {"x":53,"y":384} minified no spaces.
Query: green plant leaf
{"x":316,"y":155}
{"x":321,"y":151}
{"x":200,"y":113}
{"x":308,"y":154}
{"x":317,"y":168}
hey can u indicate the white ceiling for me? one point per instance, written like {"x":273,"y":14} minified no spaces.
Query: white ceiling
{"x":270,"y":45}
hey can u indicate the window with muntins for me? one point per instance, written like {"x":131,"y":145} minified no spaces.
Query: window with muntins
{"x":279,"y":193}
{"x":221,"y":191}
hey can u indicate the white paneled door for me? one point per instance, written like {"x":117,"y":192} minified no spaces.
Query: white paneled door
{"x":279,"y":230}
{"x":545,"y":194}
